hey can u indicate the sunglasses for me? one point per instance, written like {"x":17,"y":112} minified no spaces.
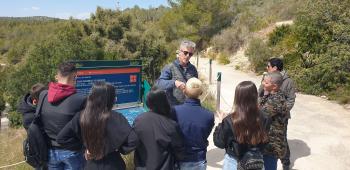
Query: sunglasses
{"x":187,"y":53}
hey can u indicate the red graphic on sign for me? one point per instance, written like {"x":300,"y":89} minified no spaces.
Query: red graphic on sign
{"x":133,"y":78}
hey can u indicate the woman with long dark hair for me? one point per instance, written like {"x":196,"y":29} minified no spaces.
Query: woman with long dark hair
{"x":160,"y":140}
{"x":104,"y":133}
{"x":244,"y":128}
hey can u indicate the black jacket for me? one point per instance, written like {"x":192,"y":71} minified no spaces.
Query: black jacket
{"x":55,"y":116}
{"x":27,"y":109}
{"x":224,"y":137}
{"x":160,"y":142}
{"x":120,"y":138}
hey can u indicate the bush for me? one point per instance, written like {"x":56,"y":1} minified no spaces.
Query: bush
{"x":278,"y":34}
{"x":223,"y":58}
{"x":258,"y":54}
{"x":230,"y":40}
{"x":316,"y":49}
{"x":15,"y":119}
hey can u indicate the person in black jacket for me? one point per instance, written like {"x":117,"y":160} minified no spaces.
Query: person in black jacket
{"x":160,"y":137}
{"x":27,"y":105}
{"x":59,"y":106}
{"x":244,"y":128}
{"x":104,"y":133}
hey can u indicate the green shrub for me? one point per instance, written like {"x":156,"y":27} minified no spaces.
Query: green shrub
{"x":223,"y":58}
{"x":15,"y":119}
{"x":278,"y":34}
{"x":316,"y":49}
{"x":258,"y":54}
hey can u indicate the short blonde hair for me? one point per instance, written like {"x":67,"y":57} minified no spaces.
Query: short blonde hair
{"x":194,"y":88}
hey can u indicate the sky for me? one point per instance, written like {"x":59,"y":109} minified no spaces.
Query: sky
{"x":79,"y":9}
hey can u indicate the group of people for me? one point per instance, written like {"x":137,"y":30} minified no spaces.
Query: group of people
{"x":86,"y":133}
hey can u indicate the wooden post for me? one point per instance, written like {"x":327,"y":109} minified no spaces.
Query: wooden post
{"x":218,"y":91}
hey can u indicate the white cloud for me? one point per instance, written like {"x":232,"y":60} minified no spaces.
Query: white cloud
{"x":82,"y":16}
{"x":35,"y":8}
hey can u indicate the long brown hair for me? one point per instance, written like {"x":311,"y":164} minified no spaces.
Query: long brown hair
{"x":94,"y":118}
{"x":247,"y":121}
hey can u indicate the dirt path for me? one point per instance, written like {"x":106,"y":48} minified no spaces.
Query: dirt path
{"x":318,"y":133}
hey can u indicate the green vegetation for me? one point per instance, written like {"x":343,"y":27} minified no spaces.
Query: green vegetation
{"x":15,"y":119}
{"x":316,"y":49}
{"x":252,"y":16}
{"x":258,"y":53}
{"x":223,"y":58}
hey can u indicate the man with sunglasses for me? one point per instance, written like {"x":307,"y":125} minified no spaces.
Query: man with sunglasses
{"x":174,"y":76}
{"x":288,"y":89}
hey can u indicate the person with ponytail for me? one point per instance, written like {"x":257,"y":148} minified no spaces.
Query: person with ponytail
{"x":246,"y":127}
{"x":105,"y":133}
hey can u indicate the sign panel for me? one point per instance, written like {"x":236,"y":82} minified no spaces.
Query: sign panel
{"x":125,"y":79}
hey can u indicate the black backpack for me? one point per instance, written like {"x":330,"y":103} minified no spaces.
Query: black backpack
{"x":35,"y":148}
{"x":252,"y":159}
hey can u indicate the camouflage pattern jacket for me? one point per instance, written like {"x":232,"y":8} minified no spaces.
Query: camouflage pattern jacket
{"x":274,"y":106}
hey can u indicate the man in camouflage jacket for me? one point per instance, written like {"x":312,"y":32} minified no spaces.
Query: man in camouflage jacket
{"x":273,"y":103}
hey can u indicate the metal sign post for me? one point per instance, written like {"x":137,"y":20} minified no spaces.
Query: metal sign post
{"x":218,"y":90}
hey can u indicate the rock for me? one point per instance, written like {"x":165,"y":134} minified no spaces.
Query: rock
{"x":324,"y":97}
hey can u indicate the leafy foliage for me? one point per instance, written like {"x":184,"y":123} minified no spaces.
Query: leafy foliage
{"x":258,"y":53}
{"x":317,"y":48}
{"x":15,"y":119}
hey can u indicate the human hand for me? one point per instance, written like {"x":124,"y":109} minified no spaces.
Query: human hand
{"x":180,"y":85}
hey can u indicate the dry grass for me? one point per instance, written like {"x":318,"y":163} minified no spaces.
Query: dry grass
{"x":11,"y":148}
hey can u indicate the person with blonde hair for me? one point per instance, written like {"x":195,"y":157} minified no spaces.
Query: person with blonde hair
{"x":195,"y":123}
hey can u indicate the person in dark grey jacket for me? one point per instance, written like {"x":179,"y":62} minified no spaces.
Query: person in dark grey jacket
{"x":175,"y":75}
{"x":288,"y":89}
{"x":160,"y":138}
{"x":58,"y":108}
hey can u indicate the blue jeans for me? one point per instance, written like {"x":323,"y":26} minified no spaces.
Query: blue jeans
{"x":60,"y":159}
{"x":200,"y":165}
{"x":270,"y":162}
{"x":230,"y":163}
